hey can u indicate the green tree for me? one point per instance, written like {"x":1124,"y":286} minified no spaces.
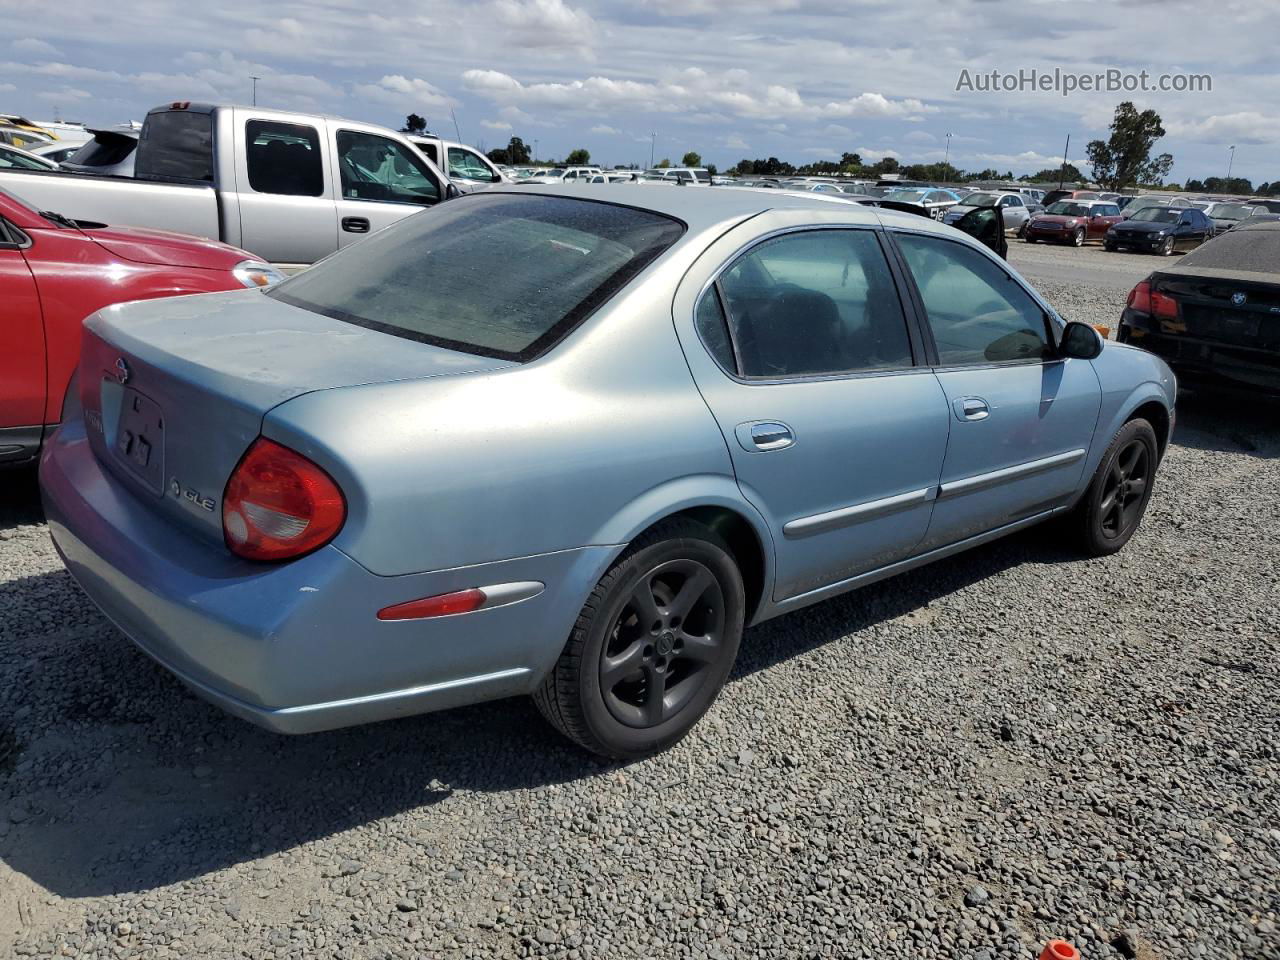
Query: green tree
{"x":578,"y":158}
{"x":518,"y":151}
{"x":663,"y":164}
{"x":1069,"y":173}
{"x":1125,"y":158}
{"x":691,"y":159}
{"x":850,"y":163}
{"x":885,"y":165}
{"x":499,"y":155}
{"x":414,"y":124}
{"x":711,"y":169}
{"x":1223,"y":185}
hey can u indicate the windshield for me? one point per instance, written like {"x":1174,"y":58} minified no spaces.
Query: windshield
{"x":905,"y":196}
{"x":1065,"y":208}
{"x":493,"y":274}
{"x":1229,"y":211}
{"x":1157,"y":215}
{"x":980,"y":200}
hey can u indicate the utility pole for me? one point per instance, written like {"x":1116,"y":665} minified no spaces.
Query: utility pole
{"x":535,"y":150}
{"x":653,"y":139}
{"x":1062,"y":172}
{"x":1230,"y":163}
{"x":255,"y":88}
{"x":947,"y":161}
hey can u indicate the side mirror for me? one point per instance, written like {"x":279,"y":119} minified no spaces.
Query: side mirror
{"x":451,"y":192}
{"x":1080,"y":341}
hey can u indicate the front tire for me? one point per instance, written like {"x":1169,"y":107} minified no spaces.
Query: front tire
{"x":653,"y":646}
{"x":1077,"y":238}
{"x":1112,"y":508}
{"x":1166,"y":248}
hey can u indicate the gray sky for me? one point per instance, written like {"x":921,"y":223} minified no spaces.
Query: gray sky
{"x":796,"y":79}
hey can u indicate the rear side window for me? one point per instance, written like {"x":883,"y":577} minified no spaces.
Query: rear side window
{"x":493,"y":274}
{"x":468,"y":166}
{"x":176,"y":144}
{"x":977,"y":312}
{"x":284,"y":158}
{"x":811,"y":303}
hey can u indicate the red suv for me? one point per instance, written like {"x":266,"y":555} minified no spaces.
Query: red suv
{"x":54,"y":272}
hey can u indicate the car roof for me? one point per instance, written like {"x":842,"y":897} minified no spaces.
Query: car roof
{"x":702,"y":209}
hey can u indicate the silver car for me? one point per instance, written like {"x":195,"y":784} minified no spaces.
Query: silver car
{"x":569,"y":443}
{"x":1013,"y":207}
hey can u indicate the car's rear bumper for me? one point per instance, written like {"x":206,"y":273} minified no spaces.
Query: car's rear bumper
{"x":1207,"y":362}
{"x":297,"y":647}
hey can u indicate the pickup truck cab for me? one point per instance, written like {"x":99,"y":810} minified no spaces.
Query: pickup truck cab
{"x":290,"y":187}
{"x":467,"y":167}
{"x":55,"y":272}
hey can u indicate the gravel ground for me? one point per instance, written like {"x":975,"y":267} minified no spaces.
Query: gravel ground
{"x":962,"y":762}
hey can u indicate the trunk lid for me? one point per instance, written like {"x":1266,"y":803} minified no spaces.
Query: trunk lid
{"x":1234,"y":308}
{"x":175,"y":390}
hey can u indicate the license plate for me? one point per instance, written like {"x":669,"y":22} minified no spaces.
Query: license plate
{"x":139,"y":442}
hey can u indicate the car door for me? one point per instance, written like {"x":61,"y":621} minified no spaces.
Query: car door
{"x":380,"y":181}
{"x":286,"y":202}
{"x":801,"y":347}
{"x":23,"y":374}
{"x":1014,"y":211}
{"x":1022,"y":418}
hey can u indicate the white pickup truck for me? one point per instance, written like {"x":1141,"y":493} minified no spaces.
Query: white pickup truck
{"x":466,"y":166}
{"x":289,"y":187}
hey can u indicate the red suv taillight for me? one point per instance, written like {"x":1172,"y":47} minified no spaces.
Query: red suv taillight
{"x":279,"y":505}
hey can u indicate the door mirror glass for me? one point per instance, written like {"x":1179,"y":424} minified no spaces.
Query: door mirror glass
{"x":1080,"y":341}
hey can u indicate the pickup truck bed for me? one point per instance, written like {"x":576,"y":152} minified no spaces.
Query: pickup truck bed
{"x":180,"y":207}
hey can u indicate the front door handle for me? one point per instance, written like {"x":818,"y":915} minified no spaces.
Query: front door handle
{"x":355,"y":224}
{"x":761,"y":436}
{"x":972,"y":408}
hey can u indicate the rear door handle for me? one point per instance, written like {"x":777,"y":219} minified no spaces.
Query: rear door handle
{"x":971,"y":408}
{"x":761,"y":436}
{"x":355,"y":224}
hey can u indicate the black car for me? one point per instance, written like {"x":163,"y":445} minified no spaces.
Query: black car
{"x":1214,"y":316}
{"x":1162,"y":230}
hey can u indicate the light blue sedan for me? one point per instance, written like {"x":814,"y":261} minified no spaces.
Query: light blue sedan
{"x":568,"y":444}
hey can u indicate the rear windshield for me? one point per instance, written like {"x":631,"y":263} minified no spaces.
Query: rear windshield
{"x":494,"y":274}
{"x":1238,"y":249}
{"x":176,"y":144}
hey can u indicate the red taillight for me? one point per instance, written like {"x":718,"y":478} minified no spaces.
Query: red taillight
{"x":442,"y":605}
{"x":1143,"y":300}
{"x":279,"y":505}
{"x":1164,"y":307}
{"x":1140,"y":298}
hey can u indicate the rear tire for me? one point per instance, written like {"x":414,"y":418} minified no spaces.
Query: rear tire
{"x":653,"y":646}
{"x":1112,"y":508}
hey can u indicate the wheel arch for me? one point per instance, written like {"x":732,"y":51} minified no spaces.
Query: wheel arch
{"x":1157,"y":414}
{"x":715,"y":502}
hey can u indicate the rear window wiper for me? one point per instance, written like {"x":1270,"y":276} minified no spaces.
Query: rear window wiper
{"x":59,"y":219}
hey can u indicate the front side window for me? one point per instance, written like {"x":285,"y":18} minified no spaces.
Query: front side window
{"x":284,"y":158}
{"x":498,"y":275}
{"x":377,"y":168}
{"x":976,"y":310}
{"x":811,"y":303}
{"x":468,"y":166}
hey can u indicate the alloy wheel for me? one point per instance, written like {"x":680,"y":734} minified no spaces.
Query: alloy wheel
{"x":1125,"y":489}
{"x":657,"y":651}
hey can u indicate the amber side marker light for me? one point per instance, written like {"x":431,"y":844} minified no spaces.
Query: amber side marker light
{"x":442,"y":605}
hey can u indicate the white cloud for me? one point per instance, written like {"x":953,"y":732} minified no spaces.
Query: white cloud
{"x":875,"y":105}
{"x":544,"y":24}
{"x":64,"y":94}
{"x":920,"y":136}
{"x":402,"y":92}
{"x":31,"y":47}
{"x":871,"y":154}
{"x":495,"y":124}
{"x":1244,"y":127}
{"x":605,"y":130}
{"x":7,"y":87}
